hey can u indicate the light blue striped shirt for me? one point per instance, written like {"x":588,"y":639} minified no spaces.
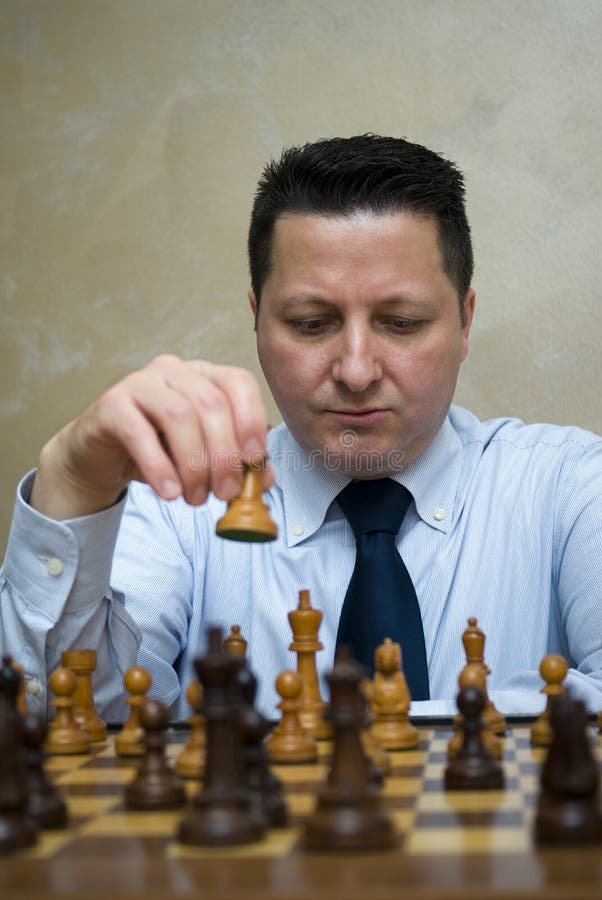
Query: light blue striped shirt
{"x":506,"y":526}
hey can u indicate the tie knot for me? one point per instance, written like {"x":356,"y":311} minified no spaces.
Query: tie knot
{"x":374,"y":505}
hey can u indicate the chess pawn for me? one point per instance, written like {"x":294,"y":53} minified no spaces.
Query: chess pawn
{"x":45,"y":805}
{"x":64,"y":734}
{"x":473,"y":767}
{"x":390,"y":697}
{"x":82,"y":663}
{"x":305,"y":624}
{"x":130,"y":740}
{"x":474,"y":676}
{"x":553,"y":669}
{"x":191,"y":761}
{"x":235,"y":643}
{"x":248,"y":517}
{"x":289,"y":742}
{"x":155,"y":786}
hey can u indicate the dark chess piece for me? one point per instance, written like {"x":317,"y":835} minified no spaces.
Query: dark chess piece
{"x":156,"y":785}
{"x":220,"y":814}
{"x":473,"y":768}
{"x":266,"y":798}
{"x":45,"y":805}
{"x":248,"y":517}
{"x":349,"y":814}
{"x":568,"y":807}
{"x":16,"y":828}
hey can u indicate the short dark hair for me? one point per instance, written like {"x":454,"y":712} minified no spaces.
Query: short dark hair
{"x":366,"y":173}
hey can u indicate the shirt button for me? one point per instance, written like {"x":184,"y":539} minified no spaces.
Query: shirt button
{"x":439,"y":514}
{"x":33,"y":686}
{"x":54,"y":566}
{"x":297,"y":530}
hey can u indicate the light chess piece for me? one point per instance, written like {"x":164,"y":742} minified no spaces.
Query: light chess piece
{"x":248,"y":517}
{"x":473,"y":639}
{"x":191,"y":761}
{"x":130,"y":740}
{"x":390,"y":699}
{"x":305,"y":623}
{"x":553,"y":669}
{"x":83,"y":663}
{"x":235,"y":643}
{"x":289,"y":742}
{"x":64,"y":734}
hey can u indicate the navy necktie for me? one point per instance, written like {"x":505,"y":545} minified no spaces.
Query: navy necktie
{"x":381,"y":601}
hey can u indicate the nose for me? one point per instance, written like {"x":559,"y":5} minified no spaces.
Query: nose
{"x":357,"y":363}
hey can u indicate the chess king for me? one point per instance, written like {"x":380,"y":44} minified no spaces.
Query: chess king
{"x":400,"y":512}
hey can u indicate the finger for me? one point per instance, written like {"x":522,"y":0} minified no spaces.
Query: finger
{"x":248,"y":412}
{"x":120,"y":420}
{"x":216,"y":460}
{"x":180,"y":432}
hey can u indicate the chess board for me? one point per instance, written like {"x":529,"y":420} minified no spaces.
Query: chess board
{"x":460,"y":844}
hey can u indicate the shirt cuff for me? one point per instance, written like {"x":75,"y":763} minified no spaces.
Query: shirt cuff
{"x":60,"y":566}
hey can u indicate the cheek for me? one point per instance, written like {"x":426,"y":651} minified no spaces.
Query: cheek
{"x":433,"y":370}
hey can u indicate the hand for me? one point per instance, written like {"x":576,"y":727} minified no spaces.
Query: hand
{"x":184,"y":427}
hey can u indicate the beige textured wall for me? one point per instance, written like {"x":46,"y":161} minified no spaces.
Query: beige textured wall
{"x":132,"y":133}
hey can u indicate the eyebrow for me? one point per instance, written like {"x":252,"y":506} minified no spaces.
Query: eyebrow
{"x":422,"y":306}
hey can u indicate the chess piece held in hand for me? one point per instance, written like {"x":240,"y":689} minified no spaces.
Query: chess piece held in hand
{"x":248,"y":517}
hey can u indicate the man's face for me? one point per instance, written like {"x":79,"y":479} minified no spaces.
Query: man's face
{"x":359,"y":337}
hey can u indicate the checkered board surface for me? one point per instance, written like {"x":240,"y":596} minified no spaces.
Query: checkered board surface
{"x":429,"y":820}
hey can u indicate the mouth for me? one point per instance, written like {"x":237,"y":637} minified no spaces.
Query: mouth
{"x":359,"y":416}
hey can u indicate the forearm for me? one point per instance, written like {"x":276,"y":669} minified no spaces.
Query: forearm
{"x":55,"y":594}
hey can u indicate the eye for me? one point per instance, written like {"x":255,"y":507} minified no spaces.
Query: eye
{"x":404,"y":325}
{"x":309,"y":326}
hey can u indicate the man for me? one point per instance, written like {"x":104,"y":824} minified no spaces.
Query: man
{"x":361,"y":267}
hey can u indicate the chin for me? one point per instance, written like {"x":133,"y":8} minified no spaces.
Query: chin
{"x":359,"y":463}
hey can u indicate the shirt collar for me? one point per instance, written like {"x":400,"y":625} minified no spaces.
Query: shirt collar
{"x":433,"y":478}
{"x":308,"y":488}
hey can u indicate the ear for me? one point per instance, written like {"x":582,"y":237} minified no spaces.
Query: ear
{"x":253,"y":303}
{"x":469,"y":307}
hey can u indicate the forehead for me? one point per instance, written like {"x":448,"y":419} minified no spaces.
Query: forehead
{"x":362,"y":245}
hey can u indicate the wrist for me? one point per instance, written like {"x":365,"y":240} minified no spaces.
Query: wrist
{"x":59,"y":494}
